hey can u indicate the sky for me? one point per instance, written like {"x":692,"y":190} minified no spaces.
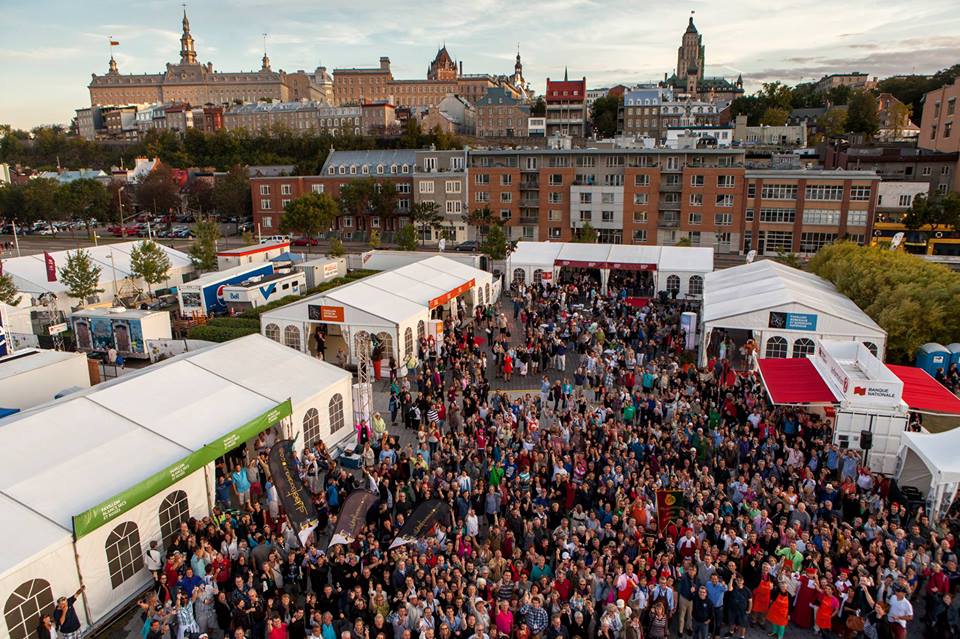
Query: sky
{"x":49,"y":48}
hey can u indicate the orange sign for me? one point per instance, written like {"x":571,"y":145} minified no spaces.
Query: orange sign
{"x":449,"y":295}
{"x":319,"y":313}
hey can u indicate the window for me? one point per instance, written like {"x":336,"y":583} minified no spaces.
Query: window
{"x":454,"y":186}
{"x":506,"y":197}
{"x":826,"y":217}
{"x":555,"y":179}
{"x":401,"y":188}
{"x":723,"y":219}
{"x":291,"y":337}
{"x":174,"y":510}
{"x":779,"y":192}
{"x":673,"y":284}
{"x":725,"y":200}
{"x":752,"y":190}
{"x":860,"y":193}
{"x":586,"y":198}
{"x":639,"y":217}
{"x":353,"y":169}
{"x":346,"y":222}
{"x":857,"y":218}
{"x":695,"y":218}
{"x":311,"y":426}
{"x":748,"y":215}
{"x":695,"y":285}
{"x":506,"y":179}
{"x":408,"y":342}
{"x":483,"y":178}
{"x":813,"y":242}
{"x":379,"y":169}
{"x":24,"y":606}
{"x":554,"y":215}
{"x":803,"y":347}
{"x":316,"y":188}
{"x":505,"y":214}
{"x":613,"y":180}
{"x":555,"y":197}
{"x":284,"y":202}
{"x":586,"y":216}
{"x":531,"y":164}
{"x":778,"y":216}
{"x":482,"y":196}
{"x":947,"y":129}
{"x":335,"y":411}
{"x":640,"y":236}
{"x":776,"y":347}
{"x":265,"y":205}
{"x":824,"y":193}
{"x":519,"y":276}
{"x":426,"y":186}
{"x":264,"y":189}
{"x":696,"y":180}
{"x":606,"y":198}
{"x":454,"y":207}
{"x":726,"y":181}
{"x":640,"y":198}
{"x":456,"y":163}
{"x":696,"y":199}
{"x":555,"y":233}
{"x":286,"y":189}
{"x":872,"y":348}
{"x":641,"y":180}
{"x":430,"y":164}
{"x":926,"y":171}
{"x":777,"y":241}
{"x":273,"y":332}
{"x":124,"y":555}
{"x":606,"y":216}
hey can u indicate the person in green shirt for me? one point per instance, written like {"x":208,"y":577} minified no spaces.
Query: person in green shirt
{"x":792,"y":554}
{"x":496,"y":474}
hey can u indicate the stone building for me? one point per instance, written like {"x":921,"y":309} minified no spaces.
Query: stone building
{"x":501,"y":115}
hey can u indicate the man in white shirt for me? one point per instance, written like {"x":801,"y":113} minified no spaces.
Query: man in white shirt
{"x":901,"y":611}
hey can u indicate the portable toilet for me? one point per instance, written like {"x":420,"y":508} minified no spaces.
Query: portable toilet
{"x":932,"y":356}
{"x":954,"y":354}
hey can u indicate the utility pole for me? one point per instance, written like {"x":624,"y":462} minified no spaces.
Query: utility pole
{"x":16,"y":240}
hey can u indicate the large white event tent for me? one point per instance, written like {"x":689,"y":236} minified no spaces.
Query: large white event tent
{"x":89,"y":480}
{"x":931,"y":464}
{"x":783,"y":310}
{"x":391,"y":305}
{"x":678,"y":268}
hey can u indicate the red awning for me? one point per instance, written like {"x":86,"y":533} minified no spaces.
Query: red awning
{"x":794,"y":381}
{"x":923,"y":393}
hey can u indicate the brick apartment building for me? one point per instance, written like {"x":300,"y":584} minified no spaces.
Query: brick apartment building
{"x":567,"y":107}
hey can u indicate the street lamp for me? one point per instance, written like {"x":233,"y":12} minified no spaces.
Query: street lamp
{"x":123,"y":229}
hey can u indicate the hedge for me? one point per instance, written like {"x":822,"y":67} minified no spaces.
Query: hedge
{"x":235,"y":322}
{"x":219,"y":333}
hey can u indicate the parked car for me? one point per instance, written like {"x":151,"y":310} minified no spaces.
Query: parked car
{"x":274,"y":238}
{"x":305,"y":241}
{"x":470,"y":246}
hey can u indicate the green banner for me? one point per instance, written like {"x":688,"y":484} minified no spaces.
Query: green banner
{"x":88,"y":521}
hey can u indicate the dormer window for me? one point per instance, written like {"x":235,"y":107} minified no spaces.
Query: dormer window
{"x":379,"y":169}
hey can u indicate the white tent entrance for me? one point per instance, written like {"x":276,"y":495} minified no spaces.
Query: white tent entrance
{"x":930,"y":463}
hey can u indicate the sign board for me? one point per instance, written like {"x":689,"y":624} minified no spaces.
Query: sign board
{"x":793,"y":321}
{"x":320,"y":313}
{"x":56,"y":329}
{"x":89,"y":520}
{"x":616,"y":266}
{"x":330,"y":270}
{"x":546,"y":276}
{"x":449,"y":295}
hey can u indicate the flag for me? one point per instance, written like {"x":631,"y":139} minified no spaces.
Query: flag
{"x":420,"y":522}
{"x":51,"y":265}
{"x":670,"y":504}
{"x":353,"y":516}
{"x":293,"y":495}
{"x":114,"y":43}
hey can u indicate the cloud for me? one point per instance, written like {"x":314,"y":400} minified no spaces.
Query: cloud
{"x":40,"y":53}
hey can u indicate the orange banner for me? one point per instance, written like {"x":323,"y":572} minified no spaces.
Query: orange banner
{"x":449,"y":295}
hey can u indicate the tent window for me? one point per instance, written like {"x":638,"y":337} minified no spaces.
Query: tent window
{"x":336,"y":413}
{"x":421,"y":330}
{"x":803,"y":347}
{"x":872,"y":348}
{"x":124,"y":555}
{"x":311,"y":427}
{"x":538,"y":276}
{"x":695,"y":286}
{"x":519,"y":276}
{"x":776,"y":347}
{"x":174,"y":510}
{"x":386,"y":343}
{"x":673,"y":284}
{"x":273,"y":332}
{"x":487,"y":293}
{"x":479,"y":296}
{"x":407,"y":342}
{"x":291,"y":337}
{"x":24,"y":607}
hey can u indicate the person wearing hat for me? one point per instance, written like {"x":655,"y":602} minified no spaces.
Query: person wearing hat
{"x":901,"y":612}
{"x":806,"y":597}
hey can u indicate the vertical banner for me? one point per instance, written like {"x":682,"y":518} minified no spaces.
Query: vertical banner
{"x":670,"y":504}
{"x":421,"y":520}
{"x":51,"y":265}
{"x":293,"y":494}
{"x":353,"y":516}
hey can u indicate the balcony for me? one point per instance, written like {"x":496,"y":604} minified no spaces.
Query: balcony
{"x":671,"y":205}
{"x":529,"y":219}
{"x":529,"y":185}
{"x":668,"y":222}
{"x":671,"y":188}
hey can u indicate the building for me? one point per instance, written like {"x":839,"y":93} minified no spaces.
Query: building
{"x":501,"y":115}
{"x":441,"y":177}
{"x":787,"y":135}
{"x":855,"y":80}
{"x":899,"y":163}
{"x":567,"y":106}
{"x":64,"y":176}
{"x":689,"y":76}
{"x":453,"y":115}
{"x":317,"y":86}
{"x":307,"y":116}
{"x":940,"y":122}
{"x":641,"y":112}
{"x":699,"y":136}
{"x":359,"y":84}
{"x":895,"y":123}
{"x":894,"y":199}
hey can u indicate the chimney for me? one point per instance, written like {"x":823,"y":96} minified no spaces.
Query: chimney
{"x":384,"y":63}
{"x":461,"y":67}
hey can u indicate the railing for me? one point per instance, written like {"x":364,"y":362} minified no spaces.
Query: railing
{"x":668,"y":223}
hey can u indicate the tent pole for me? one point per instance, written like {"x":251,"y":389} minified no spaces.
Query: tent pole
{"x":83,"y":595}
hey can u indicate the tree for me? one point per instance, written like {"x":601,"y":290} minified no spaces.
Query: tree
{"x":150,"y":262}
{"x":934,"y":212}
{"x":204,"y":249}
{"x":120,"y":202}
{"x":900,"y":113}
{"x":495,"y":243}
{"x":80,"y":276}
{"x":833,"y":123}
{"x":407,"y":238}
{"x":336,"y":247}
{"x":159,"y":190}
{"x":84,"y":199}
{"x":40,"y":201}
{"x":862,"y":116}
{"x":789,"y":259}
{"x":426,"y":216}
{"x":8,"y":291}
{"x":199,"y":196}
{"x":539,"y":108}
{"x":587,"y":234}
{"x":839,"y":95}
{"x":684,"y":241}
{"x":357,"y":196}
{"x":309,"y":214}
{"x":603,"y":114}
{"x":774,"y":116}
{"x":374,"y":239}
{"x":482,"y":219}
{"x":231,"y":194}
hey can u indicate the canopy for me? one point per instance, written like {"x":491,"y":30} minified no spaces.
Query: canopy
{"x":794,"y":381}
{"x":923,"y":393}
{"x":613,"y":256}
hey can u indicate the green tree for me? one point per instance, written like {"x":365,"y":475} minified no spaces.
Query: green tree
{"x":839,"y":95}
{"x":789,"y":259}
{"x":80,"y":276}
{"x":426,"y":216}
{"x":935,"y":212}
{"x":309,"y":215}
{"x":357,"y":196}
{"x":481,"y":218}
{"x":374,"y":239}
{"x":774,"y":116}
{"x":150,"y":262}
{"x":11,"y":202}
{"x":539,"y":108}
{"x":199,"y":196}
{"x":407,"y":238}
{"x":159,"y":190}
{"x":231,"y":194}
{"x":833,"y":123}
{"x":862,"y":116}
{"x":204,"y":249}
{"x":603,"y":114}
{"x":586,"y":234}
{"x":494,"y":243}
{"x":336,"y":247}
{"x":40,"y":201}
{"x":8,"y":291}
{"x":85,"y":200}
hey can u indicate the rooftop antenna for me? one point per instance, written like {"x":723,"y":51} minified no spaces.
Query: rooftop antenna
{"x":264,"y":44}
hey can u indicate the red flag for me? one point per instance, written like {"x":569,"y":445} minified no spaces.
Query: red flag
{"x":114,"y":43}
{"x":51,"y":267}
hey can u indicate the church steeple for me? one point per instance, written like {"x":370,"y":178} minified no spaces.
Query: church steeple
{"x":566,"y":76}
{"x":188,"y":55}
{"x":518,"y":67}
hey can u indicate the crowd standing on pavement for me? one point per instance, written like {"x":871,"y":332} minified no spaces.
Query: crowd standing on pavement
{"x":554,"y":530}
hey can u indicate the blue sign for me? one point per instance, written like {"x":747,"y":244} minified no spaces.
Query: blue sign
{"x":268,"y":290}
{"x":793,"y":321}
{"x":213,"y":293}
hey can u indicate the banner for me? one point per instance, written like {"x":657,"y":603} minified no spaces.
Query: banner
{"x":669,"y":505}
{"x":421,"y":521}
{"x":293,"y":494}
{"x":51,"y":267}
{"x":353,"y":516}
{"x":91,"y":519}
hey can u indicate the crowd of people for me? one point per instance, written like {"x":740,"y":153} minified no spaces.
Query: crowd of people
{"x":555,"y":531}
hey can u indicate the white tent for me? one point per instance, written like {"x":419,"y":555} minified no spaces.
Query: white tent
{"x":89,"y":455}
{"x":784,"y":309}
{"x":931,"y":464}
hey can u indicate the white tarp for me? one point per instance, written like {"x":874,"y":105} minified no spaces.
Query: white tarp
{"x":931,"y":464}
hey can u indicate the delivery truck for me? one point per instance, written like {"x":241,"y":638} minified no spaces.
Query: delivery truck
{"x":126,"y":330}
{"x":204,"y":295}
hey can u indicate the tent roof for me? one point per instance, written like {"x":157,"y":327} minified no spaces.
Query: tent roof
{"x":667,"y":258}
{"x":71,"y":454}
{"x":20,"y":545}
{"x":768,"y":284}
{"x":940,"y":452}
{"x":794,"y":381}
{"x":923,"y":393}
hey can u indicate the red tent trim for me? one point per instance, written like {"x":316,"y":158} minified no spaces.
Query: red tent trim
{"x":795,"y":381}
